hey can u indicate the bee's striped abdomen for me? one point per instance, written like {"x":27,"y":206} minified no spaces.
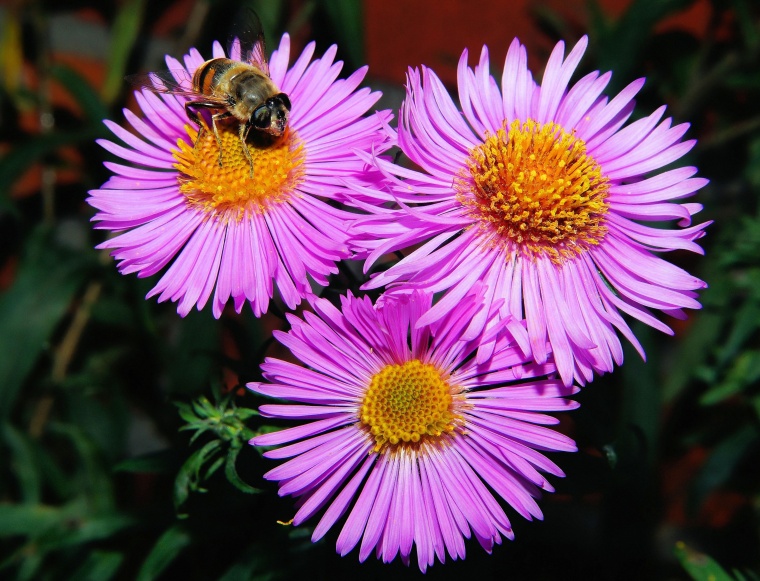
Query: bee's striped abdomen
{"x":207,"y":76}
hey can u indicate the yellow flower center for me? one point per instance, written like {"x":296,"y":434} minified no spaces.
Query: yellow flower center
{"x":409,"y":404}
{"x":535,"y":187}
{"x":229,"y":190}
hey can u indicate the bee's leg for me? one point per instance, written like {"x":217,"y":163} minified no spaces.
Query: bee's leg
{"x":195,"y":118}
{"x":214,"y":119}
{"x":244,"y":129}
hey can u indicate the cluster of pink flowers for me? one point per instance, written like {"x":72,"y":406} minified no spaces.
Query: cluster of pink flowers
{"x":531,"y":217}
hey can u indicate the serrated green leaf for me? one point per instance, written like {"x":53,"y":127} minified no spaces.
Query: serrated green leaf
{"x":167,"y":548}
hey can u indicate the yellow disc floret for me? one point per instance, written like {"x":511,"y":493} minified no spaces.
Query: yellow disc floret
{"x":231,"y":190}
{"x":409,"y":404}
{"x":534,"y":186}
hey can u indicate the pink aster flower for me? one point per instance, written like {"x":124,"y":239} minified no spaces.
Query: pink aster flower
{"x":405,"y":431}
{"x":542,"y":193}
{"x":217,"y":227}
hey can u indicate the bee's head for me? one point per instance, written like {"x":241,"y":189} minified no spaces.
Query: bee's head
{"x":272,"y":116}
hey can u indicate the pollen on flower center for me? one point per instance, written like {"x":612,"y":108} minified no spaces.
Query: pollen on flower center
{"x":407,"y":404}
{"x":229,"y":190}
{"x":534,"y":186}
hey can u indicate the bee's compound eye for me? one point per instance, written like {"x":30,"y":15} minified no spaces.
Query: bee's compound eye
{"x":261,"y":117}
{"x":284,"y":100}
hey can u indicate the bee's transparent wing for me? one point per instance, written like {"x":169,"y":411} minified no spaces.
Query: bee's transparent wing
{"x":175,"y":82}
{"x":250,"y":46}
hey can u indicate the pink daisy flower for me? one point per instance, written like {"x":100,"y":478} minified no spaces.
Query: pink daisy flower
{"x":541,"y":192}
{"x":230,"y":229}
{"x":406,"y":432}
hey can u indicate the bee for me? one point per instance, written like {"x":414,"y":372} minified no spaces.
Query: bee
{"x":233,"y":91}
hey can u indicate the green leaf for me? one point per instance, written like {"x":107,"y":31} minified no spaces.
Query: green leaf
{"x":245,"y":413}
{"x":24,"y":153}
{"x":213,"y":468}
{"x":642,"y":397}
{"x":99,"y":566}
{"x":80,"y":530}
{"x":245,"y":568}
{"x":699,"y":566}
{"x":29,"y":567}
{"x":188,"y":477}
{"x":752,"y":169}
{"x":152,"y":463}
{"x":721,"y":463}
{"x":45,"y":285}
{"x":53,"y":527}
{"x":94,"y":479}
{"x":124,"y":33}
{"x":230,"y":471}
{"x":84,"y":94}
{"x":269,"y":13}
{"x":692,"y":351}
{"x":192,"y":358}
{"x":347,"y":24}
{"x":755,"y":401}
{"x":203,"y":408}
{"x":745,"y":323}
{"x":743,"y":373}
{"x":746,"y":22}
{"x":27,"y":519}
{"x":186,"y":412}
{"x":167,"y":548}
{"x":619,"y":44}
{"x":23,"y":463}
{"x":103,"y":416}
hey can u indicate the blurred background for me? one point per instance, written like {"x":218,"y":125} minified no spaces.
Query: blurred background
{"x":123,"y":428}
